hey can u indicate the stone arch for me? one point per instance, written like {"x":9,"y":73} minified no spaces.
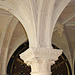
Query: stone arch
{"x":6,"y":41}
{"x":18,"y":13}
{"x":5,"y":37}
{"x":17,"y":44}
{"x":30,"y":30}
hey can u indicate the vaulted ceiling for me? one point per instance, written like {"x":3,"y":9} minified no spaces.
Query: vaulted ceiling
{"x":64,"y":33}
{"x":63,"y":36}
{"x":18,"y":34}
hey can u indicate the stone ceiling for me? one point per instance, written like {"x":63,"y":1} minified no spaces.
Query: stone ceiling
{"x":66,"y":19}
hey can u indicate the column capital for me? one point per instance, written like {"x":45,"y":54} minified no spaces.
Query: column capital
{"x":40,"y":59}
{"x":43,"y":53}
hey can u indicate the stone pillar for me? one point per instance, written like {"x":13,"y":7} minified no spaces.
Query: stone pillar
{"x":40,"y":66}
{"x":40,"y":59}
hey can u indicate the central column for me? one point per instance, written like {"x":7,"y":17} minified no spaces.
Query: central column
{"x":40,"y":59}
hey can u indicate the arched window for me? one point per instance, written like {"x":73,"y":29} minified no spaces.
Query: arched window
{"x":16,"y":65}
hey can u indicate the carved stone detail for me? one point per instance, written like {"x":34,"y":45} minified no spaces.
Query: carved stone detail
{"x":40,"y":59}
{"x":59,"y":28}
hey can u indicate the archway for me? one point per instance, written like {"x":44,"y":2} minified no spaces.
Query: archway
{"x":26,"y":17}
{"x":16,"y":65}
{"x":62,"y":65}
